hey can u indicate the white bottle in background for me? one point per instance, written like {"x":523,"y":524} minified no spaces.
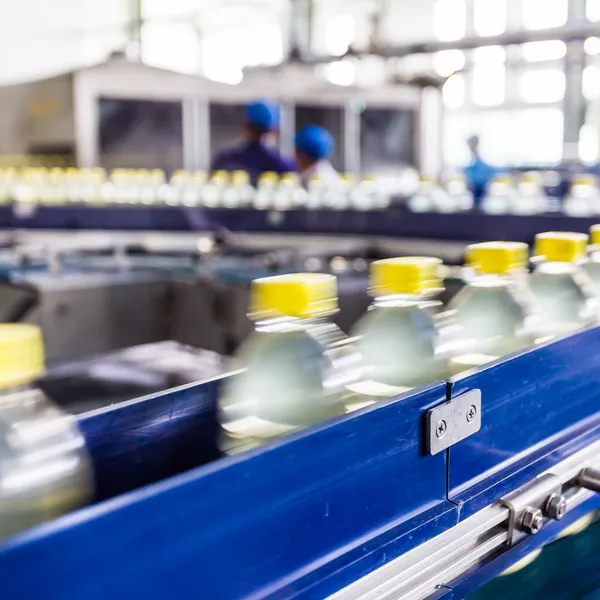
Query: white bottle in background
{"x":531,"y":198}
{"x":316,"y":193}
{"x":460,"y":197}
{"x":264,"y":197}
{"x":213,"y":191}
{"x":583,"y":199}
{"x":427,"y":197}
{"x":500,"y":197}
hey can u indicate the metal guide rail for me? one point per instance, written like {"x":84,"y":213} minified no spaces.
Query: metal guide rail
{"x":393,"y":222}
{"x":364,"y":506}
{"x":526,"y":511}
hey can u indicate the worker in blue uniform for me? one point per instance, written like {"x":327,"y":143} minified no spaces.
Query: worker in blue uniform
{"x":254,"y":155}
{"x":478,"y":174}
{"x":314,"y":146}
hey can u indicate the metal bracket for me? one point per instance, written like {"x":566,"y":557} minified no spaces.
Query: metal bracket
{"x":453,"y":421}
{"x":532,"y":505}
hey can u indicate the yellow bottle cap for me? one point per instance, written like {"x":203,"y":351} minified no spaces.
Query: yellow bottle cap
{"x":300,"y":295}
{"x":583,"y":179}
{"x":532,"y":177}
{"x":290,"y":177}
{"x":269,"y":176}
{"x":502,"y":178}
{"x":220,"y":175}
{"x":21,"y":354}
{"x":497,"y":258}
{"x":595,"y":235}
{"x":406,"y":275}
{"x":559,"y":246}
{"x":240,"y":177}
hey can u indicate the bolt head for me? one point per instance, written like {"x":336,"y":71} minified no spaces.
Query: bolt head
{"x":532,"y":520}
{"x":440,"y":429}
{"x":471,"y":413}
{"x":556,"y":507}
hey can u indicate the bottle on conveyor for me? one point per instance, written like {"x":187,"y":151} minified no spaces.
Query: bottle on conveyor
{"x":398,"y":339}
{"x":45,"y":470}
{"x":564,"y":297}
{"x":592,"y":266}
{"x":493,"y":312}
{"x":296,"y":365}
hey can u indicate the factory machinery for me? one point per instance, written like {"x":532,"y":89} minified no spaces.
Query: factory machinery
{"x":427,"y":495}
{"x":430,"y":494}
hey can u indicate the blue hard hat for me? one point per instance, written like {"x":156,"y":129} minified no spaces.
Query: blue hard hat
{"x":263,"y":114}
{"x":316,"y":142}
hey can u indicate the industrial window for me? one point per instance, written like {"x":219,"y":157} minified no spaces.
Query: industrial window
{"x":542,"y":85}
{"x":538,"y":136}
{"x":171,"y":46}
{"x":592,"y":46}
{"x":340,"y":72}
{"x":489,"y":17}
{"x":540,"y":51}
{"x":592,"y":10}
{"x":454,"y":91}
{"x":450,"y":19}
{"x":588,"y":143}
{"x":339,"y":34}
{"x":489,"y":76}
{"x":543,"y":14}
{"x":448,"y":61}
{"x":591,"y":83}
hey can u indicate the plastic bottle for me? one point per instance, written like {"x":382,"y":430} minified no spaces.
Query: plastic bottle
{"x":531,"y":198}
{"x":45,"y":470}
{"x":493,"y":312}
{"x":564,"y":297}
{"x":425,"y":198}
{"x":297,"y":363}
{"x":265,"y":191}
{"x":459,"y":197}
{"x":592,"y":265}
{"x":239,"y":192}
{"x":583,"y":199}
{"x":398,"y":339}
{"x":316,"y":193}
{"x":212,"y":192}
{"x":500,"y":197}
{"x":285,"y":194}
{"x":337,"y":196}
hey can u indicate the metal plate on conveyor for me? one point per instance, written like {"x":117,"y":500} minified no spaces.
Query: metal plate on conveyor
{"x":453,"y":421}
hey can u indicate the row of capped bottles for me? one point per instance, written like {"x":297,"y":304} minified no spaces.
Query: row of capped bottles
{"x":298,"y":368}
{"x":33,"y":186}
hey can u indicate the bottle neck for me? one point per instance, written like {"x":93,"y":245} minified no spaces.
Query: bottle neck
{"x":405,"y":300}
{"x":557,"y":268}
{"x":286,"y":323}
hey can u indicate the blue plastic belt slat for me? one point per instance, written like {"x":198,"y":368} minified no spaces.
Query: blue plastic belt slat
{"x":298,"y":518}
{"x":537,"y":409}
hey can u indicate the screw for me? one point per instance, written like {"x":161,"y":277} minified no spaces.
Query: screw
{"x":532,"y":520}
{"x":556,"y":506}
{"x":471,"y":413}
{"x":440,"y":430}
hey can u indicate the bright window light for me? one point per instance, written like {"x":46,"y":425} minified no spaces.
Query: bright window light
{"x":489,"y":17}
{"x":592,"y":10}
{"x":540,"y":51}
{"x":453,"y":91}
{"x":538,"y":136}
{"x":544,"y":14}
{"x":450,"y":19}
{"x":448,"y":61}
{"x":489,"y":55}
{"x":171,"y":46}
{"x":341,"y":72}
{"x":592,"y":46}
{"x":591,"y":83}
{"x":489,"y":84}
{"x":588,"y":143}
{"x":542,"y":85}
{"x":339,"y":34}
